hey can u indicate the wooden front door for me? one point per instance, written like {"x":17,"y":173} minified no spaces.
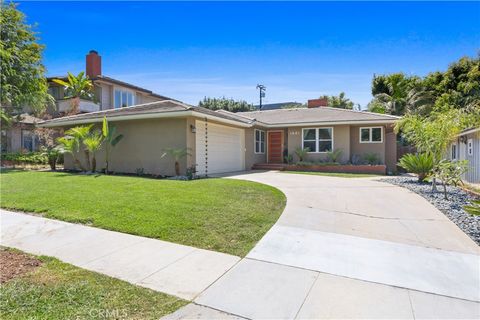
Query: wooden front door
{"x":275,"y":146}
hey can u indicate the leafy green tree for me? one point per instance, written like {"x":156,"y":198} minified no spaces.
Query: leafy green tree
{"x":69,"y":144}
{"x":111,"y":140}
{"x":225,"y":104}
{"x":79,"y":134}
{"x":340,"y":101}
{"x":92,"y":143}
{"x":22,"y":76}
{"x":77,"y":87}
{"x":391,"y":91}
{"x":450,"y":172}
{"x":177,"y":154}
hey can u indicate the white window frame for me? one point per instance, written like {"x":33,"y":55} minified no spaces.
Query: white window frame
{"x":262,"y":132}
{"x":317,"y":140}
{"x":454,"y":151}
{"x":370,"y":135}
{"x":470,"y":147}
{"x":121,"y":90}
{"x":33,"y":136}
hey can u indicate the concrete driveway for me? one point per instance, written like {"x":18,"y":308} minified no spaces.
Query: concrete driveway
{"x":349,"y":248}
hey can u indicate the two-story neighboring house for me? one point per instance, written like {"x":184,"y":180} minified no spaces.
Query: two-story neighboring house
{"x":110,"y":93}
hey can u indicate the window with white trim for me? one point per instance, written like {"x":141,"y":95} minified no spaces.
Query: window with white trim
{"x":371,"y":135}
{"x":28,"y":140}
{"x":123,"y":98}
{"x":470,"y":147}
{"x":454,"y":151}
{"x":259,"y":141}
{"x":317,"y":139}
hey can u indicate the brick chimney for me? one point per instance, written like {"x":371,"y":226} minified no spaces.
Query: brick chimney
{"x":93,"y":64}
{"x":314,"y":103}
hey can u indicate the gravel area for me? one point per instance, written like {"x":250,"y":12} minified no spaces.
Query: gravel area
{"x":452,"y":208}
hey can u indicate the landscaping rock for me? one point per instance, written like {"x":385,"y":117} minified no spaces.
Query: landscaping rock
{"x":452,"y":208}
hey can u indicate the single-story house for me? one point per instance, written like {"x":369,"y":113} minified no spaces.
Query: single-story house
{"x":467,"y":147}
{"x":19,"y":136}
{"x":221,"y":141}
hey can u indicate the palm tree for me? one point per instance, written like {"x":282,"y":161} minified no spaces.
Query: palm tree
{"x":177,"y":154}
{"x":419,"y":101}
{"x":92,"y":143}
{"x":69,"y":144}
{"x":110,"y":138}
{"x":79,"y":134}
{"x":77,"y":87}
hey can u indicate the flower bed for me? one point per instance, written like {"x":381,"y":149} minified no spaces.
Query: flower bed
{"x":339,"y":168}
{"x":452,"y":208}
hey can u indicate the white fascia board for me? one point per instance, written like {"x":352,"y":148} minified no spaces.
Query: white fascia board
{"x":222,"y":120}
{"x":173,"y":114}
{"x":468,"y":132}
{"x":329,"y":123}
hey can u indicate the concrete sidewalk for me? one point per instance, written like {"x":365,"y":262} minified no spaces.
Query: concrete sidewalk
{"x":163,"y":266}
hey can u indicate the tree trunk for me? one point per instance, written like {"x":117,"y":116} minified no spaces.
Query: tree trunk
{"x":94,"y":162}
{"x":434,"y":184}
{"x":445,"y":190}
{"x":107,"y":150}
{"x":177,"y":168}
{"x":77,"y":162}
{"x":53,"y":163}
{"x":87,"y":160}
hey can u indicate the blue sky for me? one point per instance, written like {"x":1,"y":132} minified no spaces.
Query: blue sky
{"x":298,"y":50}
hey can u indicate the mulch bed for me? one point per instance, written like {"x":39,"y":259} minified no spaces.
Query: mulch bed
{"x":14,"y":264}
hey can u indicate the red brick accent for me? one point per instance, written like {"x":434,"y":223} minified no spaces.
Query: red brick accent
{"x":370,"y":169}
{"x":93,"y":64}
{"x":314,"y":103}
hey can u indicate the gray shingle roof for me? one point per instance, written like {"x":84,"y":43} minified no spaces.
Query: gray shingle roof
{"x":147,"y":108}
{"x":320,"y":114}
{"x":157,"y":107}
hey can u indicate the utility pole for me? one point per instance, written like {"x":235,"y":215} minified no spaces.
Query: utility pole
{"x":261,"y":90}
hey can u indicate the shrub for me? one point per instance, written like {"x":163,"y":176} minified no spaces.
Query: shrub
{"x":371,"y":158}
{"x":25,"y":158}
{"x":334,"y":156}
{"x":473,"y":208}
{"x":301,"y":153}
{"x":421,"y":164}
{"x":289,"y":159}
{"x":450,"y":173}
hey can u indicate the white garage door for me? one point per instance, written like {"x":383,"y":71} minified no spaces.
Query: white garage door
{"x":219,"y":148}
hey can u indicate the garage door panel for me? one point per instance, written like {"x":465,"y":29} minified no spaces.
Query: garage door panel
{"x":223,"y":150}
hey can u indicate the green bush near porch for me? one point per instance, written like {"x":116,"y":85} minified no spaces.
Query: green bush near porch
{"x":224,"y":215}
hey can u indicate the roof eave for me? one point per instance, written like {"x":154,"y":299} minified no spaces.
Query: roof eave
{"x":324,"y":123}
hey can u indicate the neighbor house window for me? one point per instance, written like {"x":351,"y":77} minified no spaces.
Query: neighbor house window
{"x":318,"y":139}
{"x":470,"y":147}
{"x":371,"y":135}
{"x":259,"y":141}
{"x":454,"y":151}
{"x":123,"y":98}
{"x":28,"y":140}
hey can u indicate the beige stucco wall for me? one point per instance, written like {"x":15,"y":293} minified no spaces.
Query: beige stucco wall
{"x":250,"y":156}
{"x":142,"y":147}
{"x":361,"y":149}
{"x":390,"y":149}
{"x":341,"y":140}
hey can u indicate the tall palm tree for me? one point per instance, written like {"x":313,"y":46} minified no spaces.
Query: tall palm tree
{"x":111,"y":140}
{"x":92,"y":143}
{"x":177,"y":154}
{"x":419,"y":101}
{"x":77,"y":87}
{"x":79,"y":134}
{"x":69,"y":144}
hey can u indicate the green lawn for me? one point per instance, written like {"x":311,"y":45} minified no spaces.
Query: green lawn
{"x":335,"y":174}
{"x":224,"y":215}
{"x":57,"y":290}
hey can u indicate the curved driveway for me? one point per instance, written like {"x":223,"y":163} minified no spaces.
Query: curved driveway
{"x":351,"y":248}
